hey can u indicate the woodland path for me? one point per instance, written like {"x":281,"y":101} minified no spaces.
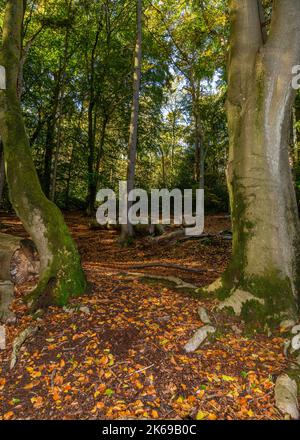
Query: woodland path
{"x":123,"y":355}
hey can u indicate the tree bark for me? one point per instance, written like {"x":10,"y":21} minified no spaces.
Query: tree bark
{"x":61,"y":275}
{"x":2,"y":171}
{"x":199,"y":151}
{"x":127,"y":230}
{"x":50,"y":137}
{"x":297,"y":131}
{"x":92,"y":124}
{"x":96,"y":167}
{"x":265,"y":261}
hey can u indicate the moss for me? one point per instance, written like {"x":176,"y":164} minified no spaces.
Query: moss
{"x":242,"y":231}
{"x":253,"y":313}
{"x":277,"y":294}
{"x":222,"y":293}
{"x":126,"y":241}
{"x":279,"y":301}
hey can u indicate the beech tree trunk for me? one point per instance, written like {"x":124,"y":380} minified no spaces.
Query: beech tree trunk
{"x":265,"y":261}
{"x":92,"y":126}
{"x":127,"y":230}
{"x":199,"y":151}
{"x":61,"y":275}
{"x":2,"y":171}
{"x":50,"y":137}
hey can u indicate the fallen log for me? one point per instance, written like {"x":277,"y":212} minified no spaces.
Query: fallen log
{"x":19,"y":262}
{"x":18,"y":259}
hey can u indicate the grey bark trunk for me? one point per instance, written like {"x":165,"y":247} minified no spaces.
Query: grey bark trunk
{"x":265,"y":261}
{"x":127,"y":230}
{"x":2,"y":171}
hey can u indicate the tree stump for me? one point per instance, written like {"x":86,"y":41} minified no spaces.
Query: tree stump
{"x":19,"y":263}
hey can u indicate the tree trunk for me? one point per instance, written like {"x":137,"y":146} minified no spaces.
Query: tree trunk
{"x":96,"y":168}
{"x":127,"y":230}
{"x":265,"y":261}
{"x":50,"y":138}
{"x":92,"y":189}
{"x":92,"y":124}
{"x":199,"y":151}
{"x":2,"y":171}
{"x":61,"y":275}
{"x":70,"y":169}
{"x":297,"y":131}
{"x":60,"y":111}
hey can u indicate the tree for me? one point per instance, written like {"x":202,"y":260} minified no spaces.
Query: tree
{"x":127,"y":230}
{"x":263,"y":274}
{"x":195,"y":34}
{"x":61,"y":275}
{"x":2,"y":171}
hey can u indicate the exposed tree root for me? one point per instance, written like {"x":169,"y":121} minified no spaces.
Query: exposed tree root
{"x":174,"y":235}
{"x":18,"y":342}
{"x":168,"y":281}
{"x":170,"y":266}
{"x":286,"y":396}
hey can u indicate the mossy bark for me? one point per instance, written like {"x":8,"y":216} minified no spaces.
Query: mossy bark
{"x":61,"y":274}
{"x":265,"y":260}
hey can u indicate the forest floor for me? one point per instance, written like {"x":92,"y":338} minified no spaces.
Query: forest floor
{"x":122,"y":356}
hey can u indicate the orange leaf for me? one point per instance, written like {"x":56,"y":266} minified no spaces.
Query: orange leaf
{"x":8,"y":415}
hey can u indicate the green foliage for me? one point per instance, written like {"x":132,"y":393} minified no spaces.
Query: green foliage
{"x":181,"y":54}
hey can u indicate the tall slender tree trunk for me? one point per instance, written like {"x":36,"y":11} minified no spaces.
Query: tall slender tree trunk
{"x":92,"y":124}
{"x":198,"y":133}
{"x":96,"y":166}
{"x":70,"y":169}
{"x":92,"y":189}
{"x":127,"y":230}
{"x":199,"y":151}
{"x":50,"y":138}
{"x":262,"y":280}
{"x":56,"y":157}
{"x":2,"y":171}
{"x":60,"y":111}
{"x":61,"y":275}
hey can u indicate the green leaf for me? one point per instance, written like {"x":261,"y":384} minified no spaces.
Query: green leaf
{"x":109,"y":392}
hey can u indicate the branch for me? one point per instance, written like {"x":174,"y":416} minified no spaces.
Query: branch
{"x":245,"y":42}
{"x":285,"y":32}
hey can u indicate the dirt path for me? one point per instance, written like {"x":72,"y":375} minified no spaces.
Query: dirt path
{"x":125,"y":358}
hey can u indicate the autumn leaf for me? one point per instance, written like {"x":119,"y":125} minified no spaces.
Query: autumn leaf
{"x":2,"y":383}
{"x":201,"y":415}
{"x":37,"y":402}
{"x":8,"y":416}
{"x":228,"y":378}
